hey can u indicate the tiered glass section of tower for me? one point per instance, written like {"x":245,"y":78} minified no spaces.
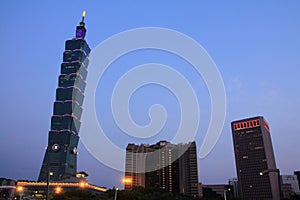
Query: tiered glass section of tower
{"x":61,"y":154}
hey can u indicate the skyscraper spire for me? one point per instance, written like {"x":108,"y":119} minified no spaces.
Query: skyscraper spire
{"x":80,"y":30}
{"x":83,"y":16}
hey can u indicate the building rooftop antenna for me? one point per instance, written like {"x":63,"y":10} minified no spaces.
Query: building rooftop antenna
{"x":83,"y":16}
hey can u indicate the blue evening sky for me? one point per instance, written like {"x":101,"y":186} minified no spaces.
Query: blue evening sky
{"x":255,"y":44}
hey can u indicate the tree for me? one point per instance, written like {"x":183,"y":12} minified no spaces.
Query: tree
{"x":137,"y":193}
{"x":75,"y":195}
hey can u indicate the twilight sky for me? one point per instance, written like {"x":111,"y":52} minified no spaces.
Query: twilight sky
{"x":255,"y":45}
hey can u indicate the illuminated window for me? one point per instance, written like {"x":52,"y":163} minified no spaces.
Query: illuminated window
{"x":235,"y":126}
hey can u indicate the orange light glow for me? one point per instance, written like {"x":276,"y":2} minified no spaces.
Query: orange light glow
{"x":20,"y":189}
{"x":58,"y":190}
{"x":83,"y":184}
{"x":126,"y":180}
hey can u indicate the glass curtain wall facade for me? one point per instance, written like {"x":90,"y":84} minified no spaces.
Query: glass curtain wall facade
{"x":61,"y":153}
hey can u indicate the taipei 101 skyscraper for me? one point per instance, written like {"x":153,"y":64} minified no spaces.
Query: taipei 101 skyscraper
{"x":61,"y":153}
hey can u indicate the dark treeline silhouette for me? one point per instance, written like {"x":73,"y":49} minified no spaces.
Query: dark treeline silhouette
{"x":137,"y":193}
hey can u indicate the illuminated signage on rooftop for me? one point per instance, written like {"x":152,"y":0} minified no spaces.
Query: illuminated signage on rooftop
{"x":246,"y":124}
{"x":249,"y":124}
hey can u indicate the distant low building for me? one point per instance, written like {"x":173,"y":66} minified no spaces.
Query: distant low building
{"x":7,"y":188}
{"x":287,"y":191}
{"x":38,"y":190}
{"x":220,"y":189}
{"x":292,"y":180}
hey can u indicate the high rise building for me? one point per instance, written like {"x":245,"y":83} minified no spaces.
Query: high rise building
{"x":167,"y":166}
{"x":135,"y":165}
{"x":258,"y":176}
{"x":162,"y":170}
{"x":61,"y":153}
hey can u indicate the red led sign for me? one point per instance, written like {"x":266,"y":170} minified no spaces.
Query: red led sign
{"x":246,"y":124}
{"x":266,"y":125}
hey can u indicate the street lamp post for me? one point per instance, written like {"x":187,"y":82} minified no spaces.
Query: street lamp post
{"x":20,"y":190}
{"x":225,"y":193}
{"x":225,"y":197}
{"x":116,"y":193}
{"x":48,"y":180}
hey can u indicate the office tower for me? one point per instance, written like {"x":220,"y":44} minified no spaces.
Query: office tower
{"x":258,"y":176}
{"x":291,"y":180}
{"x":164,"y":165}
{"x":61,"y":153}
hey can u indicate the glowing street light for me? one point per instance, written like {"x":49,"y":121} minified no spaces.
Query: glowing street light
{"x":58,"y":190}
{"x":83,"y":184}
{"x":127,"y":180}
{"x":20,"y":189}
